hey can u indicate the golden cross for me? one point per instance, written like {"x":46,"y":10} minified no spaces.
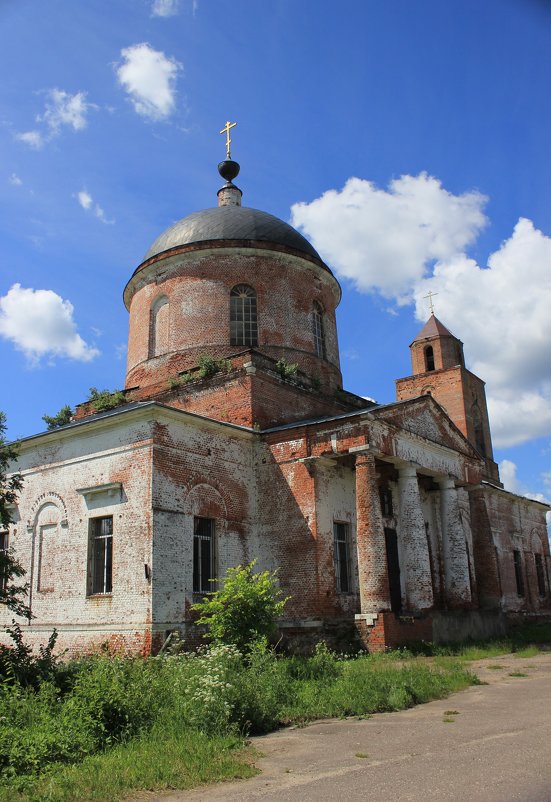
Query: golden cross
{"x":226,"y":130}
{"x":430,"y":296}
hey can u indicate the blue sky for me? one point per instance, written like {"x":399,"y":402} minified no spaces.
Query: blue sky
{"x":408,"y":140}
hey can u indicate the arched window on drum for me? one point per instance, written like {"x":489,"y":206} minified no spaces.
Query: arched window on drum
{"x":243,"y":316}
{"x":318,"y":330}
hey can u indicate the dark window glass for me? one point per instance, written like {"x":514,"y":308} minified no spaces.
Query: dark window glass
{"x":203,"y":555}
{"x":4,"y":544}
{"x":341,"y":534}
{"x":429,"y":357}
{"x":517,"y":559}
{"x":101,"y":555}
{"x":540,"y":574}
{"x":317,"y":330}
{"x":386,"y":501}
{"x":243,"y":316}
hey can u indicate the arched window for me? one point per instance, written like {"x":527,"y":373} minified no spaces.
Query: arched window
{"x":243,"y":318}
{"x":158,"y":327}
{"x":429,"y":358}
{"x":317,"y":330}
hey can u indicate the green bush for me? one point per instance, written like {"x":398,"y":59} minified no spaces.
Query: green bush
{"x":244,"y":610}
{"x":103,"y":400}
{"x":209,"y":366}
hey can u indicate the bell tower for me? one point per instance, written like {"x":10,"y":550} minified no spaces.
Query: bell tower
{"x":438,"y":366}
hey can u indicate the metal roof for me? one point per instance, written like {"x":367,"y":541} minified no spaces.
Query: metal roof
{"x":230,"y":223}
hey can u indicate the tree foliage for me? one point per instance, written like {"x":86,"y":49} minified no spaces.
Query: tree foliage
{"x":62,"y":418}
{"x":103,"y":400}
{"x":11,"y":594}
{"x":244,"y":610}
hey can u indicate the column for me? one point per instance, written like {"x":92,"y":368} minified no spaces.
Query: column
{"x":413,"y":536}
{"x":370,"y":538}
{"x":456,"y":562}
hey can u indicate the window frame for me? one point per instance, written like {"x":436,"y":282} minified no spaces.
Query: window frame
{"x":201,"y":584}
{"x":318,"y":330}
{"x":342,"y":566}
{"x":243,"y":316}
{"x":100,"y":582}
{"x":4,"y":549}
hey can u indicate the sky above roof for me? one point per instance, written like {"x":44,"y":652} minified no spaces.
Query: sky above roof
{"x":409,"y":142}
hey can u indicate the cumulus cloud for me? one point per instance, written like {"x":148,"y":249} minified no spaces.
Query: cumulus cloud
{"x":164,"y":8}
{"x":385,"y":240}
{"x":414,"y":237}
{"x":149,"y":78}
{"x":40,"y":323}
{"x":14,"y":180}
{"x":87,"y":203}
{"x":61,"y":109}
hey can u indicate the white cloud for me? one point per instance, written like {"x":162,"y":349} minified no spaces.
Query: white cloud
{"x":40,"y":323}
{"x":87,"y":203}
{"x":164,"y":8}
{"x":31,"y":138}
{"x":65,"y":109}
{"x":14,"y":180}
{"x":149,"y":77}
{"x":61,"y":109}
{"x":385,"y":241}
{"x":412,"y":238}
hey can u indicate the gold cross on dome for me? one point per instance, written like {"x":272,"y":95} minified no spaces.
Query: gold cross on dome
{"x":226,"y":130}
{"x":430,"y":296}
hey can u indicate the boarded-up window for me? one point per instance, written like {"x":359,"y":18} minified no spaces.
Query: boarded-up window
{"x":519,"y":578}
{"x":540,"y":574}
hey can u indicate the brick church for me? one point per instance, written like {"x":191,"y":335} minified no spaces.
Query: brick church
{"x":236,"y":441}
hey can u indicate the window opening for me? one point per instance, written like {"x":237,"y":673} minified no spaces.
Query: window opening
{"x":101,"y":555}
{"x":386,"y":501}
{"x":341,"y":533}
{"x":393,"y":570}
{"x":203,"y":555}
{"x":540,"y":574}
{"x":4,"y":546}
{"x":317,"y":330}
{"x":478,"y":430}
{"x":243,"y":316}
{"x":429,"y":357}
{"x":517,"y":559}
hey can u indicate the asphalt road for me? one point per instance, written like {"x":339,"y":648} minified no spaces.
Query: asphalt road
{"x":490,"y":743}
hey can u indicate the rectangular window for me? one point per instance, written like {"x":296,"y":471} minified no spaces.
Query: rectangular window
{"x":4,"y":545}
{"x":386,"y":501}
{"x":517,"y":558}
{"x":540,"y":573}
{"x":341,"y":534}
{"x":203,"y":555}
{"x":101,"y":555}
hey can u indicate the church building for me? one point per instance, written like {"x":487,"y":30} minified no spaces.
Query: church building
{"x":236,"y":441}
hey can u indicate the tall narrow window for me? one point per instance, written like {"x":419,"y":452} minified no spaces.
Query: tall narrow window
{"x":4,"y":544}
{"x":317,"y":330}
{"x":476,"y":418}
{"x":429,"y":358}
{"x":517,"y":559}
{"x":540,"y":574}
{"x":386,"y":501}
{"x":341,"y":534}
{"x":243,"y":317}
{"x":159,"y":327}
{"x":101,"y":555}
{"x":203,"y":555}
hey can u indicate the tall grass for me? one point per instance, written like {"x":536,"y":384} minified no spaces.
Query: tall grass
{"x":118,"y":724}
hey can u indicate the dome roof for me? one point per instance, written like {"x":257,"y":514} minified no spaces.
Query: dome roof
{"x":230,"y":223}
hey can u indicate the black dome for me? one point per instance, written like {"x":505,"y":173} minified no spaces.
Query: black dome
{"x":230,"y":223}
